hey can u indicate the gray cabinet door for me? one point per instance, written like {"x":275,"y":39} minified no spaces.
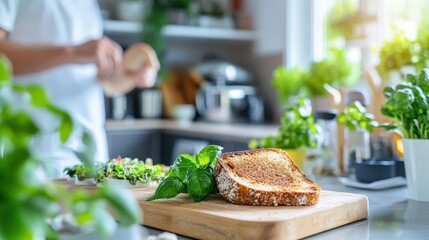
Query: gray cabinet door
{"x":135,"y":143}
{"x":176,"y":143}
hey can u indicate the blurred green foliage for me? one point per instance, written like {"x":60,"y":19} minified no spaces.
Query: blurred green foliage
{"x":334,"y":70}
{"x":29,"y":202}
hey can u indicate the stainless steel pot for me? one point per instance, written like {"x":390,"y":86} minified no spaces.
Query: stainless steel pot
{"x":150,"y":103}
{"x":224,"y":73}
{"x":224,"y":104}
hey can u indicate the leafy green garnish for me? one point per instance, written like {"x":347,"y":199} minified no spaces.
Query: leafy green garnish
{"x":191,"y":174}
{"x":200,"y":184}
{"x":168,"y":188}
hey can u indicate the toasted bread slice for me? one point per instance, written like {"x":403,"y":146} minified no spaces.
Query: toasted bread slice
{"x":266,"y":177}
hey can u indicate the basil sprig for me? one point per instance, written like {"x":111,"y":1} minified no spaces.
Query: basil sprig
{"x":408,"y":104}
{"x":190,"y":174}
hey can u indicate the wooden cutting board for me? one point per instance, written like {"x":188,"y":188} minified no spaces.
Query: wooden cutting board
{"x":215,"y":218}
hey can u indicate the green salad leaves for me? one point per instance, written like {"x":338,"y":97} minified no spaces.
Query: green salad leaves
{"x":133,"y":170}
{"x":191,"y":174}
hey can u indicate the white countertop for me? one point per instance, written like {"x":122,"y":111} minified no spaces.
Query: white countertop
{"x":232,"y":130}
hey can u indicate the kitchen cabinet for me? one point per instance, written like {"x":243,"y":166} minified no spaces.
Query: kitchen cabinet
{"x":177,"y":143}
{"x":135,"y":143}
{"x":163,"y":140}
{"x":163,"y":145}
{"x":127,"y":32}
{"x":185,"y":45}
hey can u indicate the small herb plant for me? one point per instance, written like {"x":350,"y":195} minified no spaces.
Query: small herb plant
{"x":408,"y":104}
{"x":132,"y":169}
{"x":356,"y":116}
{"x":298,"y":129}
{"x":83,"y":171}
{"x":191,"y":174}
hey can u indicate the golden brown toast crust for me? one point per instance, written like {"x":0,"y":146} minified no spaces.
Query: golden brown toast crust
{"x":265,"y":177}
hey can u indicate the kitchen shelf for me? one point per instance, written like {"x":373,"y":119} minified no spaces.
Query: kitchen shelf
{"x":181,"y":31}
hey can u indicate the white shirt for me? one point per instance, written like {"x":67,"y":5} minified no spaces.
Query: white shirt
{"x":72,"y":87}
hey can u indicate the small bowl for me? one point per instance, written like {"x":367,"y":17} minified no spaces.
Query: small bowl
{"x":400,"y":168}
{"x":184,"y":112}
{"x":368,"y":171}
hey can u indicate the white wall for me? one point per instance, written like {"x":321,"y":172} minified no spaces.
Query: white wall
{"x":269,"y":21}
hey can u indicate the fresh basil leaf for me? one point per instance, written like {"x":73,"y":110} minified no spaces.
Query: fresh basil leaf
{"x":181,"y":166}
{"x":200,"y":184}
{"x":169,"y":188}
{"x":208,"y":156}
{"x":185,"y":157}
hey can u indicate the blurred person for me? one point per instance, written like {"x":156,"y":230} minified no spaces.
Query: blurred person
{"x":59,"y":45}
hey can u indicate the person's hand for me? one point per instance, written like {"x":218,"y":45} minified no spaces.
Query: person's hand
{"x":144,"y":77}
{"x":141,"y":65}
{"x":105,"y":53}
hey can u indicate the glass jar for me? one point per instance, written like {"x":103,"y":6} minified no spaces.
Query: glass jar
{"x":357,"y":146}
{"x":327,"y":163}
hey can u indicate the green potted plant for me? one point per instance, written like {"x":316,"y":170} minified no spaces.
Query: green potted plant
{"x":394,"y":56}
{"x":154,"y":21}
{"x":332,"y":72}
{"x":408,"y":104}
{"x":298,"y":131}
{"x":422,"y":45}
{"x":30,"y":204}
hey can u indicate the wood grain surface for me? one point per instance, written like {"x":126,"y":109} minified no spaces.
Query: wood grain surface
{"x":215,"y":218}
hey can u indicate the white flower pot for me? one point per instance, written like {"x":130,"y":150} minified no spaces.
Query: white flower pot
{"x":416,"y":153}
{"x":85,"y":182}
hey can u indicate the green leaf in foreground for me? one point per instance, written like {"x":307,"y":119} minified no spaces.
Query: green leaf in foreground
{"x":66,"y":125}
{"x":124,"y":203}
{"x":200,"y":184}
{"x":181,"y":166}
{"x":168,"y":188}
{"x":104,"y":223}
{"x":4,"y":69}
{"x":208,"y":155}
